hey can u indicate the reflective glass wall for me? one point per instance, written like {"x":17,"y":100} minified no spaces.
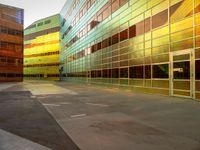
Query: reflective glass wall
{"x":147,"y":45}
{"x":42,"y":48}
{"x":11,"y":43}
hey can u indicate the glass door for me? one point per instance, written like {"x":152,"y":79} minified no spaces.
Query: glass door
{"x":182,"y":74}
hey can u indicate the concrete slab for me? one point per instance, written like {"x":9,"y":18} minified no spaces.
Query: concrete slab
{"x":10,"y":141}
{"x":24,"y":116}
{"x":4,"y":86}
{"x":120,"y":119}
{"x":117,"y":131}
{"x":99,"y":118}
{"x":47,"y":89}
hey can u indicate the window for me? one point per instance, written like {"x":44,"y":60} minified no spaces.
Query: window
{"x":148,"y":72}
{"x":47,"y":22}
{"x":122,"y":2}
{"x":197,"y":8}
{"x":4,"y":30}
{"x":124,"y":35}
{"x":105,"y":43}
{"x":31,"y":26}
{"x":123,"y":72}
{"x":140,"y":28}
{"x":40,"y":24}
{"x":181,"y":70}
{"x":11,"y":32}
{"x":115,"y":5}
{"x":98,"y":73}
{"x":106,"y":73}
{"x":161,"y":71}
{"x":132,"y":31}
{"x":84,"y":9}
{"x":147,"y":25}
{"x":99,"y":46}
{"x":100,"y":18}
{"x":94,"y":48}
{"x":115,"y":39}
{"x":92,"y":74}
{"x":63,"y":22}
{"x":136,"y":72}
{"x":93,"y":24}
{"x":115,"y":73}
{"x":176,"y":12}
{"x":197,"y":69}
{"x":106,"y":13}
{"x":160,"y":19}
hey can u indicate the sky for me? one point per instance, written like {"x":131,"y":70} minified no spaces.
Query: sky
{"x":36,"y":9}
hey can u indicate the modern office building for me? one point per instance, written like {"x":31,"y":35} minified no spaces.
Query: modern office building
{"x":146,"y":45}
{"x":42,"y":48}
{"x":11,"y":43}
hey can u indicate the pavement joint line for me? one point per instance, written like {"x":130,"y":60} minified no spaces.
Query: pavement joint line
{"x":79,"y":115}
{"x":94,"y":104}
{"x":51,"y":105}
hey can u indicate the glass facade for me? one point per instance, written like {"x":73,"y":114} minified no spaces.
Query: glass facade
{"x":42,"y":48}
{"x":11,"y":43}
{"x":146,"y":45}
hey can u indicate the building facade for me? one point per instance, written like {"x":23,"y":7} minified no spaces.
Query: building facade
{"x":11,"y":43}
{"x":42,"y":48}
{"x":146,"y":45}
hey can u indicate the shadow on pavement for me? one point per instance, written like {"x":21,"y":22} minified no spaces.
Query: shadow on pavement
{"x":26,"y":117}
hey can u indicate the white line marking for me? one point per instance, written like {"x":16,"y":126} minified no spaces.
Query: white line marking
{"x":42,"y":97}
{"x":51,"y":105}
{"x":80,"y":115}
{"x":33,"y":96}
{"x":65,"y":103}
{"x":94,"y":104}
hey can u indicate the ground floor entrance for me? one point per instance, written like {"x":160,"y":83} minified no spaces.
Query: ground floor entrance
{"x":182,"y":73}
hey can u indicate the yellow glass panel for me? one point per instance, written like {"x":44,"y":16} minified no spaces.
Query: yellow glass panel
{"x":136,"y":20}
{"x":161,"y":41}
{"x":160,"y":58}
{"x":182,"y":35}
{"x":197,"y":19}
{"x":160,"y":83}
{"x":185,"y":8}
{"x":148,"y":44}
{"x":181,"y":25}
{"x":160,"y":7}
{"x":148,"y":14}
{"x":160,"y":49}
{"x":153,"y":3}
{"x":147,"y":36}
{"x":160,"y":32}
{"x":138,"y":39}
{"x":148,"y":52}
{"x":197,"y":41}
{"x":185,"y":44}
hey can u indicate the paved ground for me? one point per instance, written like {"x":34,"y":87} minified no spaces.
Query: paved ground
{"x":23,"y":117}
{"x":98,"y":118}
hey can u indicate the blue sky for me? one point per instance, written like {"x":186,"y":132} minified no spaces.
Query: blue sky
{"x":36,"y":9}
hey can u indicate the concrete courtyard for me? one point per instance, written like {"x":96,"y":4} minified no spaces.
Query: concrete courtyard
{"x":41,"y":115}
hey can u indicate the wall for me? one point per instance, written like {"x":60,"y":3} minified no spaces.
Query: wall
{"x":42,"y":48}
{"x":11,"y":44}
{"x":146,"y":45}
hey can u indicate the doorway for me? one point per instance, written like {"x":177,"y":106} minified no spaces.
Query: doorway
{"x":182,"y":73}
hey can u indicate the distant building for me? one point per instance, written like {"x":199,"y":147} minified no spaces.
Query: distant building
{"x":42,"y":48}
{"x":146,"y":45}
{"x":11,"y":43}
